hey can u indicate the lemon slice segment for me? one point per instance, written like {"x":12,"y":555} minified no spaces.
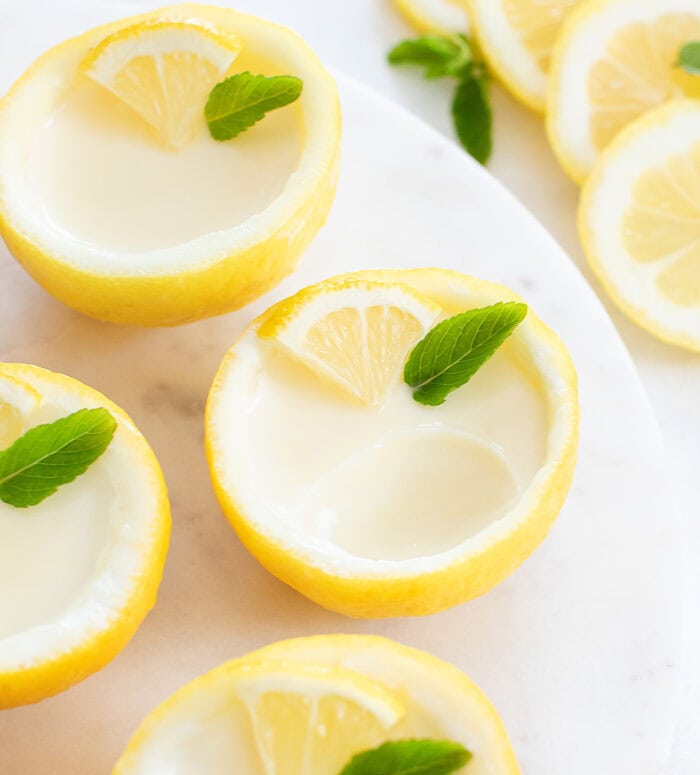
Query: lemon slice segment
{"x":640,"y":222}
{"x":164,"y":70}
{"x":440,"y":17}
{"x":18,"y":400}
{"x":354,"y":332}
{"x":517,"y":38}
{"x":311,"y":720}
{"x":614,"y":60}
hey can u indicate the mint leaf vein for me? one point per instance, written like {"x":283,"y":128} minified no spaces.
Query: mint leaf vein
{"x":239,"y":102}
{"x":51,"y":455}
{"x":453,"y":351}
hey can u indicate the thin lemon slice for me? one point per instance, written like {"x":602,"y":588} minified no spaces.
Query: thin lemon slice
{"x":517,"y":38}
{"x":439,"y":17}
{"x":614,"y":60}
{"x":408,"y":509}
{"x":164,"y":70}
{"x":79,"y":571}
{"x":18,"y":401}
{"x":313,"y":714}
{"x":311,"y":721}
{"x":123,"y":229}
{"x":353,"y":332}
{"x":640,"y":222}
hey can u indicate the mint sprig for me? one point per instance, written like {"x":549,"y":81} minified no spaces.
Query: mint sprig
{"x":410,"y":757}
{"x":453,"y":351}
{"x":51,"y":455}
{"x":453,"y":56}
{"x":239,"y":102}
{"x":689,"y":57}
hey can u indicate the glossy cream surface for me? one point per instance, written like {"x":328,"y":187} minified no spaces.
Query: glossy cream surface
{"x":98,"y":174}
{"x":396,"y":483}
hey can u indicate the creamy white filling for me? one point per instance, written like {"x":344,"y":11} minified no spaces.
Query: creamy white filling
{"x":100,"y":177}
{"x":68,"y":564}
{"x":403,"y":482}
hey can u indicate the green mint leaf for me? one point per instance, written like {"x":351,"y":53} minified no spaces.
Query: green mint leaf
{"x":410,"y":757}
{"x":471,"y":114}
{"x":440,"y":56}
{"x":689,"y":57}
{"x":450,"y":354}
{"x":51,"y":455}
{"x":240,"y":101}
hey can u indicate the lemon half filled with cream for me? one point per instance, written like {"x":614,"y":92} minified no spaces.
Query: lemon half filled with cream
{"x":309,"y":706}
{"x":359,"y":496}
{"x":80,"y":569}
{"x":117,"y":199}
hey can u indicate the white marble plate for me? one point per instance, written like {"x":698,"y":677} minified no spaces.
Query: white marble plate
{"x":578,"y":649}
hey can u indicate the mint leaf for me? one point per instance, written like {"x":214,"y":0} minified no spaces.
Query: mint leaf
{"x":689,"y":57}
{"x":410,"y":757}
{"x":240,"y":101}
{"x":51,"y":455}
{"x":453,"y":351}
{"x":471,"y":114}
{"x":440,"y":56}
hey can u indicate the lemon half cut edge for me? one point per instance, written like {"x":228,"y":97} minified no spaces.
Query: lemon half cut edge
{"x":306,"y":706}
{"x":83,"y":566}
{"x":349,"y":581}
{"x":217,"y":270}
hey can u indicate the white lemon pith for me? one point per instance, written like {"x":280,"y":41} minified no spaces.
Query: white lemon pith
{"x":79,"y":571}
{"x":437,"y":17}
{"x":445,"y":501}
{"x":517,"y":38}
{"x":317,"y":702}
{"x":614,"y":60}
{"x":177,"y":226}
{"x":640,"y":222}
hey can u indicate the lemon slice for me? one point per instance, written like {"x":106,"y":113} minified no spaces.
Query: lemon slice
{"x":640,"y":222}
{"x":161,"y":236}
{"x":18,"y":401}
{"x":311,"y":721}
{"x":164,"y":70}
{"x":80,"y":570}
{"x":355,"y":333}
{"x":614,"y":60}
{"x":403,"y":509}
{"x":517,"y":38}
{"x":439,"y":17}
{"x":315,"y":714}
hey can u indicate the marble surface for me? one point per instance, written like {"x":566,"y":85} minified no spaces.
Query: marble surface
{"x":580,"y":648}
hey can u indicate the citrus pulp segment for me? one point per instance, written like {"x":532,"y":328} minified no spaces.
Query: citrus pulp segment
{"x":436,"y":17}
{"x":163,"y":236}
{"x":613,"y":61}
{"x":79,"y":571}
{"x":640,"y":222}
{"x":398,"y":508}
{"x":517,"y":38}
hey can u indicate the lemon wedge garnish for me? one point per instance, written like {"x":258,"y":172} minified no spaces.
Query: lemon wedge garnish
{"x":79,"y":571}
{"x":614,"y":60}
{"x":640,"y":222}
{"x":309,"y":720}
{"x":164,"y":70}
{"x":306,"y":706}
{"x":353,"y":332}
{"x":18,"y":400}
{"x":517,"y":38}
